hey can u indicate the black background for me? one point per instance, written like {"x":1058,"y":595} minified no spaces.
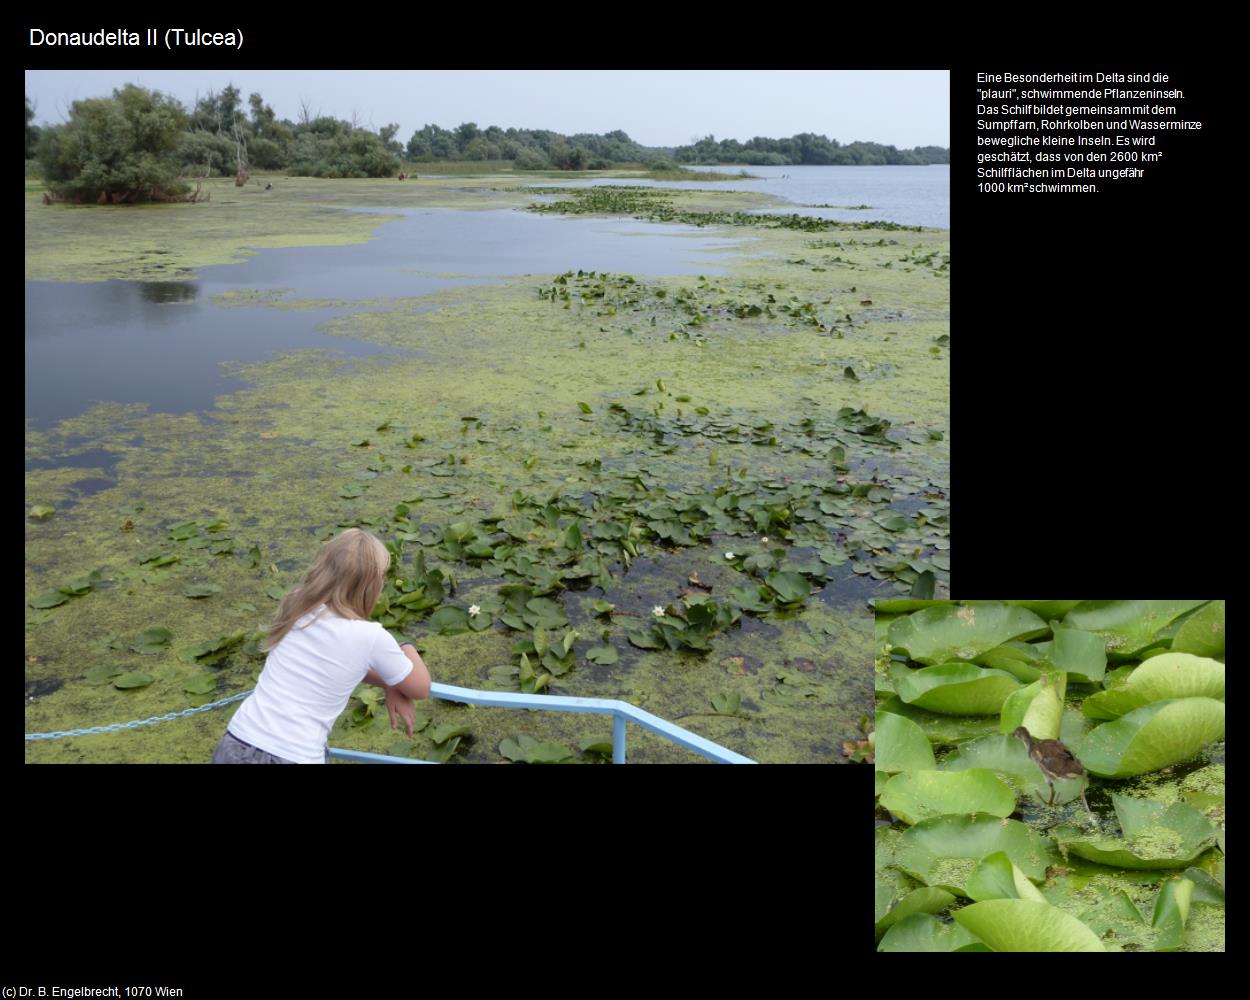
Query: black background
{"x":1091,"y":365}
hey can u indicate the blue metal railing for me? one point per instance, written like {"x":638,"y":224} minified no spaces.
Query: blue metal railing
{"x":621,"y":712}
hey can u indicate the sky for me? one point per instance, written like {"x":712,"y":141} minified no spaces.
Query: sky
{"x":903,"y":108}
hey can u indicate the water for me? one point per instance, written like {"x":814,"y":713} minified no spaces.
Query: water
{"x":162,"y":343}
{"x":909,"y":196}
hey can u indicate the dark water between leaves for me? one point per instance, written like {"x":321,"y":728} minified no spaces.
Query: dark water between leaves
{"x":161,"y":343}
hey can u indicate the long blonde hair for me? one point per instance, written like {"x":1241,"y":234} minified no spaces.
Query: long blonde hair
{"x":347,"y":578}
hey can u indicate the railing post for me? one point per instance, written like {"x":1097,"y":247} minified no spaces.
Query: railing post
{"x":618,"y":739}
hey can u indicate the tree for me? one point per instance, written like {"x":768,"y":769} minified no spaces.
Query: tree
{"x":121,"y":149}
{"x":32,"y":131}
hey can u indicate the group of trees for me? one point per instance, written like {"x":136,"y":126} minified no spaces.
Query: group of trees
{"x":806,"y":149}
{"x":134,"y":146}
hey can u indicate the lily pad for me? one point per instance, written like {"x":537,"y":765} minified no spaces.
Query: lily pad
{"x":1155,"y":835}
{"x":944,"y":851}
{"x":42,"y":511}
{"x":126,"y":681}
{"x":790,"y":587}
{"x":1022,"y":660}
{"x":449,"y":621}
{"x":901,"y":745}
{"x":962,"y":632}
{"x":1169,"y":675}
{"x":203,"y":684}
{"x":102,"y":674}
{"x":1081,"y":655}
{"x":1171,"y":913}
{"x":1026,"y":925}
{"x":1152,"y":737}
{"x":924,"y":932}
{"x":997,"y":878}
{"x":1038,"y":707}
{"x":1127,"y":627}
{"x":1202,"y":633}
{"x":445,"y":732}
{"x":922,"y":900}
{"x":154,"y":640}
{"x":48,"y":599}
{"x":527,"y":750}
{"x":202,"y":590}
{"x":916,"y":795}
{"x":954,"y":688}
{"x":941,"y":730}
{"x":1003,"y":754}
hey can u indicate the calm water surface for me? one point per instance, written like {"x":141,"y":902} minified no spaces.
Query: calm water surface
{"x":910,"y":196}
{"x":162,"y":343}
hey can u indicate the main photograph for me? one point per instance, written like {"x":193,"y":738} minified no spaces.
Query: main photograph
{"x":367,"y":412}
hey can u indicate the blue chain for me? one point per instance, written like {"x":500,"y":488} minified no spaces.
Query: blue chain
{"x":137,"y":723}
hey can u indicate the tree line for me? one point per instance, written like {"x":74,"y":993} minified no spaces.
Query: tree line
{"x":137,"y":144}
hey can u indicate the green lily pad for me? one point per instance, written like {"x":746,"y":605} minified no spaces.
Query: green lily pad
{"x":1038,"y":707}
{"x":944,"y":851}
{"x":1026,"y":925}
{"x":544,"y":612}
{"x":445,"y":732}
{"x":126,"y":681}
{"x":924,"y":932}
{"x":203,"y":684}
{"x":1127,"y":627}
{"x":922,"y":900}
{"x":954,"y":688}
{"x":525,"y":749}
{"x":1081,"y":655}
{"x":449,"y":621}
{"x":1022,"y":660}
{"x":1003,"y":754}
{"x":941,"y":634}
{"x":42,"y":511}
{"x":202,"y":590}
{"x":211,"y":650}
{"x":1202,"y":633}
{"x":154,"y":640}
{"x":997,"y":878}
{"x":901,"y":745}
{"x":1169,"y":675}
{"x":1155,"y":835}
{"x":729,"y":703}
{"x":1152,"y":737}
{"x":48,"y":599}
{"x":1171,"y":913}
{"x":102,"y":674}
{"x":790,"y":587}
{"x":941,"y":730}
{"x":917,"y":795}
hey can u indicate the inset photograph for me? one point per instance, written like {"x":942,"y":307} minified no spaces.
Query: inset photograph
{"x":1049,"y":775}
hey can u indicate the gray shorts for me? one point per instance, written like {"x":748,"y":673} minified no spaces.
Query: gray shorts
{"x":232,"y":750}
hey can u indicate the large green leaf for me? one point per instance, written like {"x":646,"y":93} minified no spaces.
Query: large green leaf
{"x":944,"y":851}
{"x":923,"y":932}
{"x":1038,"y":707}
{"x":1202,"y":633}
{"x":132,"y":680}
{"x":1026,"y":925}
{"x":954,"y":688}
{"x":917,"y":795}
{"x":449,"y":620}
{"x":997,"y":878}
{"x":1022,"y":660}
{"x":922,"y":900}
{"x":1171,"y":913}
{"x":1001,"y":753}
{"x":936,"y":635}
{"x":1127,"y":627}
{"x":1155,"y":835}
{"x":1152,"y":737}
{"x":941,"y":730}
{"x":901,"y":745}
{"x":1081,"y":655}
{"x":1169,"y":675}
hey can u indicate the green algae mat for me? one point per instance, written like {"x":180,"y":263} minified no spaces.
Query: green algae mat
{"x":978,"y":848}
{"x":680,"y":491}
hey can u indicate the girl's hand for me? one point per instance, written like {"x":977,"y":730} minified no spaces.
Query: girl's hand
{"x":396,"y":703}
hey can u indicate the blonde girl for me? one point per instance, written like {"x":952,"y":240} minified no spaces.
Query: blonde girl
{"x":321,"y":645}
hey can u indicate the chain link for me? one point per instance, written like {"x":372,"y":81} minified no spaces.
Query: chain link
{"x":138,"y":722}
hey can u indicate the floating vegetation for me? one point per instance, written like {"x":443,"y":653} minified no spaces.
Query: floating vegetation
{"x":1147,"y":734}
{"x":656,"y":205}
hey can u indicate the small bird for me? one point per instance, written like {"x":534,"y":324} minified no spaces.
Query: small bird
{"x":1055,"y":761}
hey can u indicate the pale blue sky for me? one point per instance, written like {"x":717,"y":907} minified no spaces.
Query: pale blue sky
{"x":903,"y":108}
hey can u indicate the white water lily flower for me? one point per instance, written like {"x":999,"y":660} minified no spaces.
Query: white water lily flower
{"x":729,"y":555}
{"x":474,"y":609}
{"x":765,"y":540}
{"x":658,"y":611}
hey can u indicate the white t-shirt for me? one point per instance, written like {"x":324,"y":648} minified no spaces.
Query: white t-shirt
{"x":307,"y":680}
